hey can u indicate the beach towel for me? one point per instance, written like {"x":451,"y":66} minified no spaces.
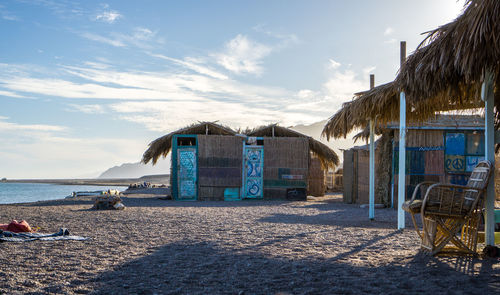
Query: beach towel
{"x":63,"y":234}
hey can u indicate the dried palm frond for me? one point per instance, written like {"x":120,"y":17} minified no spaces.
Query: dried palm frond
{"x":327,"y":156}
{"x":162,"y":146}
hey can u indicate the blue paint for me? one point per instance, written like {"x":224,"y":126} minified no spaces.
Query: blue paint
{"x":253,"y":168}
{"x":471,"y":162}
{"x":455,"y":144}
{"x":184,"y":169}
{"x":232,"y":194}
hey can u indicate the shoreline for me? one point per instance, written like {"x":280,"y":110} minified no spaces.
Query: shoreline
{"x":161,"y":179}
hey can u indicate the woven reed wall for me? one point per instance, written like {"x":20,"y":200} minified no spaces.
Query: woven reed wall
{"x":316,"y":182}
{"x":363,"y":174}
{"x":285,"y":157}
{"x":349,"y":176}
{"x":219,"y":165}
{"x":427,"y":138}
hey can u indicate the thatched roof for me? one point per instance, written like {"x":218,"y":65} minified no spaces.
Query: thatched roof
{"x":161,"y":146}
{"x":448,"y":66}
{"x":381,"y":102}
{"x":326,"y":155}
{"x":438,"y":122}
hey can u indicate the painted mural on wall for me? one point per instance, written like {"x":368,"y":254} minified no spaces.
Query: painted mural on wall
{"x":254,"y":173}
{"x":463,"y":150}
{"x":187,"y":173}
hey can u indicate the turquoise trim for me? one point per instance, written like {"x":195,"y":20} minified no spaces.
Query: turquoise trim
{"x":175,"y":148}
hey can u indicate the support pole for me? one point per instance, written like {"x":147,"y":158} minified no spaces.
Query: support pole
{"x":489,"y":136}
{"x":402,"y":147}
{"x":371,"y":211}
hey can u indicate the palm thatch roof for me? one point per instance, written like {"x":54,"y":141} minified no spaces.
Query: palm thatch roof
{"x":438,"y":122}
{"x":448,"y":66}
{"x":327,"y":156}
{"x":381,"y":102}
{"x":161,"y":146}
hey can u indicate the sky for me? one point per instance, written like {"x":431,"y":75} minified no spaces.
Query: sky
{"x":86,"y":85}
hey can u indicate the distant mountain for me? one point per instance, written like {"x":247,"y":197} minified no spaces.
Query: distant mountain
{"x":314,"y":130}
{"x":136,"y":170}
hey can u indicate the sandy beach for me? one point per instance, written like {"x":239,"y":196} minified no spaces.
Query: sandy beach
{"x":262,"y":247}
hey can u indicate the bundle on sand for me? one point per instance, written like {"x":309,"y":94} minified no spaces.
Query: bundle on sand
{"x":110,"y":200}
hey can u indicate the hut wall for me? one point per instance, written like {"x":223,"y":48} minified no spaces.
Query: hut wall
{"x":316,"y":185}
{"x":440,"y":156}
{"x":286,"y":163}
{"x":363,"y":177}
{"x":219,"y":165}
{"x":424,"y":159}
{"x":349,"y":176}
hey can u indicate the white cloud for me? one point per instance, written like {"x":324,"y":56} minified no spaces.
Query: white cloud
{"x":10,"y":94}
{"x":105,"y":40}
{"x":285,"y":40}
{"x":87,"y":108}
{"x":107,"y":15}
{"x":333,"y":64}
{"x":8,"y":126}
{"x":191,"y":64}
{"x":243,"y":55}
{"x":368,"y":70}
{"x":7,"y":15}
{"x":343,"y":83}
{"x":388,"y":31}
{"x":139,"y":37}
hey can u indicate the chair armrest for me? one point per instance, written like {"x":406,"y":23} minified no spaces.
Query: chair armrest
{"x":452,"y":188}
{"x":418,"y":187}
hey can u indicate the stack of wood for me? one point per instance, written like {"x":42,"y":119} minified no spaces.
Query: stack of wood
{"x":110,"y":200}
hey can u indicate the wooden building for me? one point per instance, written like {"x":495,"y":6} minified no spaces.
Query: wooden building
{"x":444,"y":149}
{"x":213,"y":162}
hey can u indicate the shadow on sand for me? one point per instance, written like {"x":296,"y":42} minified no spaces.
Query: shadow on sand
{"x":205,"y":268}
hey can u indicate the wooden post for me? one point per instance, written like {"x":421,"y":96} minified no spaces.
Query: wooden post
{"x":489,"y":136}
{"x":371,"y":211}
{"x":402,"y":147}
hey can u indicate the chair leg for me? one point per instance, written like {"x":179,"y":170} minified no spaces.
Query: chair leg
{"x":415,"y":224}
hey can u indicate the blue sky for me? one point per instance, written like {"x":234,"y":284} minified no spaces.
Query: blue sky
{"x":86,"y":85}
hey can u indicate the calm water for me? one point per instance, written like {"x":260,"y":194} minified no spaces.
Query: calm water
{"x":32,"y":192}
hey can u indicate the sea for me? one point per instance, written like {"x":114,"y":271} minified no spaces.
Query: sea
{"x":32,"y":192}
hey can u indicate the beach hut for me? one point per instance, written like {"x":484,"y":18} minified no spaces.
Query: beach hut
{"x":455,"y":67}
{"x":456,"y":64}
{"x":213,"y":162}
{"x":443,"y":149}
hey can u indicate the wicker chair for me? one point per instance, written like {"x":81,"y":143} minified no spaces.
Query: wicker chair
{"x":451,"y":213}
{"x":414,"y":205}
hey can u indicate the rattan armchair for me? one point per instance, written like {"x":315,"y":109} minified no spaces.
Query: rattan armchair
{"x":451,"y":213}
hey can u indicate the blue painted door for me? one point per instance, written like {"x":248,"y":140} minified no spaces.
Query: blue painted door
{"x":186,"y":173}
{"x":254,"y":172}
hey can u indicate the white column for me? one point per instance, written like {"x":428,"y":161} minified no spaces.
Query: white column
{"x":489,"y":136}
{"x":402,"y":147}
{"x":372,"y":171}
{"x":371,"y":199}
{"x":402,"y":160}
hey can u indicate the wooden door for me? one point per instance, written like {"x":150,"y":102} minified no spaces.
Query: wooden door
{"x":187,"y":173}
{"x":254,"y":172}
